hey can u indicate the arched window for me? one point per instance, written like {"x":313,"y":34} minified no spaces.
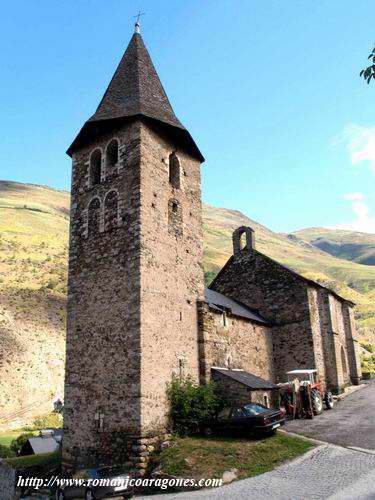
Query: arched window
{"x":111,"y":210}
{"x":111,"y":156}
{"x":94,"y":217}
{"x":174,"y":217}
{"x":243,"y":241}
{"x":243,"y":238}
{"x":96,"y":167}
{"x":174,"y":170}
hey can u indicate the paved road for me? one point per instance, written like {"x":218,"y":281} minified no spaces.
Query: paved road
{"x":350,"y":423}
{"x":326,"y":472}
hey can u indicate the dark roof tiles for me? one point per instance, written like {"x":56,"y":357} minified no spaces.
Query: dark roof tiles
{"x":219,"y":301}
{"x":246,"y":378}
{"x":135,"y":89}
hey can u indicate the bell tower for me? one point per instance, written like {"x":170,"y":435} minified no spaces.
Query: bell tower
{"x":135,"y":267}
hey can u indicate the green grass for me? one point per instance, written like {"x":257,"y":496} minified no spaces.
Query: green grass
{"x":44,"y":460}
{"x":7,"y":437}
{"x":195,"y":457}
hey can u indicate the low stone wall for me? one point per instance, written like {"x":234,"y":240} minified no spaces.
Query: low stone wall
{"x":118,"y":448}
{"x":7,"y":482}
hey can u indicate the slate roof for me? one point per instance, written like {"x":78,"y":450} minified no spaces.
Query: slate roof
{"x":246,"y":378}
{"x":135,"y":90}
{"x":219,"y":301}
{"x":43,"y":445}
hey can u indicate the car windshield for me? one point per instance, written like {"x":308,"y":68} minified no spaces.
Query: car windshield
{"x":254,"y":409}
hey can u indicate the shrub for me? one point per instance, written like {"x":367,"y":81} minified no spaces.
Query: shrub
{"x":192,"y":404}
{"x":6,"y":451}
{"x":16,"y":444}
{"x":368,"y":363}
{"x":369,"y":347}
{"x":52,"y":420}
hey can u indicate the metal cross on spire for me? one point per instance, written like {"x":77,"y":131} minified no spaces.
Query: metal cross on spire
{"x":137,"y":25}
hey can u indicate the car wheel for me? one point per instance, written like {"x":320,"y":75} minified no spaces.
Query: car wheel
{"x":328,"y":399}
{"x":207,"y":431}
{"x":317,"y":402}
{"x":59,"y":495}
{"x":89,"y":495}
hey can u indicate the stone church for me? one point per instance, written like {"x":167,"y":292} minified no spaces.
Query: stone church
{"x":138,"y":311}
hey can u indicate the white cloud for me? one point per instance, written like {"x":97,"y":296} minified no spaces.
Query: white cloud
{"x":363,"y":222}
{"x":360,"y":143}
{"x":354,"y":196}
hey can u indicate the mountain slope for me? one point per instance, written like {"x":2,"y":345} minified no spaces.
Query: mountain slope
{"x":34,"y":223}
{"x":349,"y":245}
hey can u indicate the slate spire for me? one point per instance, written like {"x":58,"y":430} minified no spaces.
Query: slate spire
{"x":135,"y":90}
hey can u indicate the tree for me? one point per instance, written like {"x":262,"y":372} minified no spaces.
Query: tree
{"x":369,"y":72}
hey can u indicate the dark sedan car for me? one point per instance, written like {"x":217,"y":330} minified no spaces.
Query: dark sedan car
{"x":252,"y":417}
{"x":105,"y":482}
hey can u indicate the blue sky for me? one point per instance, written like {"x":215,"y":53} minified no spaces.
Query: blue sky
{"x":269,"y":90}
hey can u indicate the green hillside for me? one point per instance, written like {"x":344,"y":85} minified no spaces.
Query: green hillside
{"x":349,"y":245}
{"x":34,"y":223}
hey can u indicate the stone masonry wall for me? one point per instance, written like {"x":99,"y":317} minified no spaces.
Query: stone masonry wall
{"x":263,"y":284}
{"x":280,"y":296}
{"x":328,"y":341}
{"x":102,"y":385}
{"x":342,"y":338}
{"x":322,"y":363}
{"x":241,"y":343}
{"x":7,"y":482}
{"x":352,"y":344}
{"x":171,"y":273}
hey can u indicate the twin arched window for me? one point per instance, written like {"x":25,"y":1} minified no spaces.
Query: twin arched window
{"x":111,"y":161}
{"x":110,"y":213}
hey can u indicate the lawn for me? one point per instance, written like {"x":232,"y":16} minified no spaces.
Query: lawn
{"x":196,"y":457}
{"x":7,"y":437}
{"x":41,"y":461}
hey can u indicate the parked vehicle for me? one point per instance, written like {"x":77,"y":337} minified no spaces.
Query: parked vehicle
{"x":251,"y":417}
{"x":318,"y":396}
{"x":112,"y":476}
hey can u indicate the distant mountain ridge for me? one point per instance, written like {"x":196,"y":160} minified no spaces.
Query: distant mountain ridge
{"x":34,"y":224}
{"x":349,"y":245}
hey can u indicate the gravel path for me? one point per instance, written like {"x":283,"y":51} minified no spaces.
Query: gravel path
{"x":327,"y":471}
